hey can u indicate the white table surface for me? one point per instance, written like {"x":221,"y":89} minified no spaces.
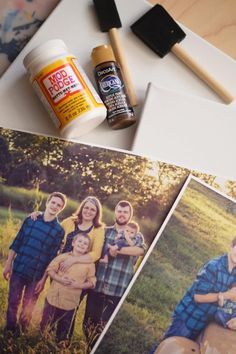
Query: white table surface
{"x":75,"y":22}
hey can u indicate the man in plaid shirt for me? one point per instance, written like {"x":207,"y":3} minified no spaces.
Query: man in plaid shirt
{"x":113,"y":277}
{"x":33,"y":248}
{"x":199,"y":304}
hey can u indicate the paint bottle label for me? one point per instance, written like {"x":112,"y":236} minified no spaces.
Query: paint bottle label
{"x":112,"y":91}
{"x":65,"y":90}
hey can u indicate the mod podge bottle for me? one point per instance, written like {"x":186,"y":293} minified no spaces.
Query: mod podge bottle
{"x":111,"y":88}
{"x":64,"y":89}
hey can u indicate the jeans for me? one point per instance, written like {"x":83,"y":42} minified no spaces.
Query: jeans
{"x":179,"y":329}
{"x":20,"y":289}
{"x":99,"y":308}
{"x":59,"y":319}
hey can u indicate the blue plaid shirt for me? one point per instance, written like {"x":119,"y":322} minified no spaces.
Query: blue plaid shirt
{"x":214,"y":277}
{"x":36,"y":244}
{"x":113,"y":278}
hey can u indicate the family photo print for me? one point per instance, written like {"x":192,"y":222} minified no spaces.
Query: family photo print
{"x":75,"y":223}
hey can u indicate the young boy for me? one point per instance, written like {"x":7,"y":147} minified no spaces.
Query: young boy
{"x":33,"y":248}
{"x":63,"y":295}
{"x":128,"y":237}
{"x":226,"y":309}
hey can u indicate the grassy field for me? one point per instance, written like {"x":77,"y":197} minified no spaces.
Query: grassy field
{"x":200,"y":228}
{"x":9,"y":225}
{"x":6,"y":212}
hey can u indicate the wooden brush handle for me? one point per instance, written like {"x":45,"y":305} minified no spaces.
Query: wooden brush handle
{"x":202,"y":73}
{"x":119,"y":54}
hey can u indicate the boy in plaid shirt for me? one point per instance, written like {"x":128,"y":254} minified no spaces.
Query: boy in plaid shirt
{"x":33,"y":248}
{"x":200,"y":303}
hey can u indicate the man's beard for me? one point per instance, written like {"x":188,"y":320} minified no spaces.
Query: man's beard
{"x":121,"y":223}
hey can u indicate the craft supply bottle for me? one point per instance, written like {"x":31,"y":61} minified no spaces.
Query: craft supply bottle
{"x":111,"y":88}
{"x":64,"y":89}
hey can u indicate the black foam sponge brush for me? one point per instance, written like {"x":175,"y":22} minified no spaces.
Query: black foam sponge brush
{"x":162,"y":34}
{"x":108,"y":15}
{"x":158,"y":30}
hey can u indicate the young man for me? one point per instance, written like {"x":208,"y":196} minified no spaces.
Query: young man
{"x":199,"y":304}
{"x":113,"y":277}
{"x":33,"y":248}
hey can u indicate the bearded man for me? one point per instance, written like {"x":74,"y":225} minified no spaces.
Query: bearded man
{"x":112,"y":277}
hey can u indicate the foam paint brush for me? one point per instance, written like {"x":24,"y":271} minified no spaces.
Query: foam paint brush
{"x":109,"y":21}
{"x":162,"y":34}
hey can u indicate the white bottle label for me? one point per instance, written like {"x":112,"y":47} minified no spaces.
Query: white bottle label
{"x":61,"y":83}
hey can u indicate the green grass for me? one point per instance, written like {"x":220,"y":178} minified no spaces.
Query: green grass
{"x":27,"y":200}
{"x":5,"y":212}
{"x":10,"y":224}
{"x":200,"y":228}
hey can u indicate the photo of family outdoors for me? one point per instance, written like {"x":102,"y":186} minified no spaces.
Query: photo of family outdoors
{"x":75,"y":223}
{"x":183,"y":300}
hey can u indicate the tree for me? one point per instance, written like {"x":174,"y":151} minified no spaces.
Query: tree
{"x":27,"y":174}
{"x":5,"y":157}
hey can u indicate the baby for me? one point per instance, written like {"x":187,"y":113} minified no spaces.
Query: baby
{"x":63,"y":295}
{"x":130,"y":236}
{"x":226,"y":309}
